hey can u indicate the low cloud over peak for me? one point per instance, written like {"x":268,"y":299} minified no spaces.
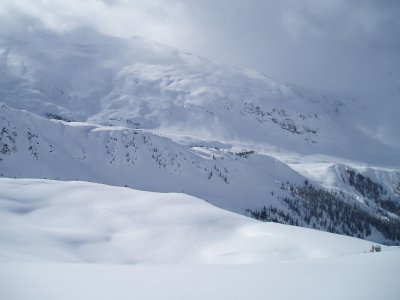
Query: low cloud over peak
{"x":347,"y":46}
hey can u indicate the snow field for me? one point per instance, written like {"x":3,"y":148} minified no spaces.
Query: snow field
{"x":53,"y":221}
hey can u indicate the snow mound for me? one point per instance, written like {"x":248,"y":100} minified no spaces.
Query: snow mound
{"x":55,"y":221}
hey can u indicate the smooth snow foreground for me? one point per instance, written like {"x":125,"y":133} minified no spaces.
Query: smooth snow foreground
{"x":50,"y":230}
{"x":368,"y":276}
{"x":85,"y":222}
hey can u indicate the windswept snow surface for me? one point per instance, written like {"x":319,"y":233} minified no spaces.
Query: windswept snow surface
{"x":76,"y":240}
{"x":58,"y":221}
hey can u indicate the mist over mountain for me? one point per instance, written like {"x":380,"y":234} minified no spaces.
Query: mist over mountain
{"x":133,"y":112}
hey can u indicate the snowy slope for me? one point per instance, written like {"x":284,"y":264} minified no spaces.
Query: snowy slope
{"x":241,"y":181}
{"x":40,"y":148}
{"x":79,"y":240}
{"x":58,"y":221}
{"x":139,"y":83}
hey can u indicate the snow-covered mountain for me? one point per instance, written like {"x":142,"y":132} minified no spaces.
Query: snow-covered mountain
{"x":85,"y":76}
{"x":131,"y":112}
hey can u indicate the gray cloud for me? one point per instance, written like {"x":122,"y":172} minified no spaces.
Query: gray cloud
{"x":351,"y":46}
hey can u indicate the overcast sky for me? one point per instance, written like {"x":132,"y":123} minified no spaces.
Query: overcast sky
{"x":350,"y":46}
